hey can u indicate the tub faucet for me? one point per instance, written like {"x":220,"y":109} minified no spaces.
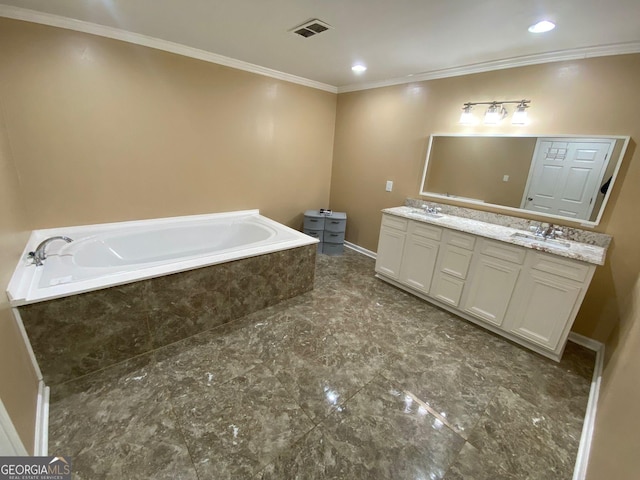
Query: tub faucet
{"x":39,"y":255}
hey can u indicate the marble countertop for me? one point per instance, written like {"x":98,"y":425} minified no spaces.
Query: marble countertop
{"x":561,"y":247}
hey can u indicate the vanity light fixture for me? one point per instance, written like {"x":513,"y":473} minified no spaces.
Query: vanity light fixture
{"x":496,"y":112}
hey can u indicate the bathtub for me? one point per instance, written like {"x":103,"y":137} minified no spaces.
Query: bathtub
{"x":107,"y":255}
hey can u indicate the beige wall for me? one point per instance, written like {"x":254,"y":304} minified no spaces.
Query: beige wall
{"x":616,"y":440}
{"x":18,"y":380}
{"x":103,"y":131}
{"x":382,"y":134}
{"x":107,"y":131}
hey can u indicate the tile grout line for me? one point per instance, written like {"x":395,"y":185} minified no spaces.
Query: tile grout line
{"x":475,"y":425}
{"x":431,"y":410}
{"x":175,"y":415}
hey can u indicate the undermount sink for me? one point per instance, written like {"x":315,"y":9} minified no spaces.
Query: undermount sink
{"x":528,"y":237}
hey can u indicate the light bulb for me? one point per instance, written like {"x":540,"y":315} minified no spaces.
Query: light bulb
{"x":467,"y":118}
{"x":494,"y":114}
{"x":520,"y":115}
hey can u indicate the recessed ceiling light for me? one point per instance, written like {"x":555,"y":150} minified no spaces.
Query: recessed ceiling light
{"x":358,"y":68}
{"x":541,"y":27}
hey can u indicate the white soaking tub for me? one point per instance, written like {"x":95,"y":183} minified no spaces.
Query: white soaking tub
{"x":107,"y":255}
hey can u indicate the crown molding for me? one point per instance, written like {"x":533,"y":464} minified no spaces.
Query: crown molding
{"x":526,"y":60}
{"x":49,"y":19}
{"x":52,"y":20}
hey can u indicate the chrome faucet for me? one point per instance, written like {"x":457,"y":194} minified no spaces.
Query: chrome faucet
{"x":550,"y":231}
{"x":39,"y":254}
{"x":430,"y":210}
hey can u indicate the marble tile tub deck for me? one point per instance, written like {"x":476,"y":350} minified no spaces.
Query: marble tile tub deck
{"x":353,"y":380}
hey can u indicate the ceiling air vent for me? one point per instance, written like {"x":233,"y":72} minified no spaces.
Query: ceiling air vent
{"x":311,"y":28}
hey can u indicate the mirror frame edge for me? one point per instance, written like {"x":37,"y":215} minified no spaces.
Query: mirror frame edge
{"x":582,"y":223}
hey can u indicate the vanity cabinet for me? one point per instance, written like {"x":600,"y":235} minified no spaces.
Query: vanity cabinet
{"x":420,"y":255}
{"x":496,"y":269}
{"x":393,"y":233}
{"x":525,"y":295}
{"x":408,"y":251}
{"x":546,"y":298}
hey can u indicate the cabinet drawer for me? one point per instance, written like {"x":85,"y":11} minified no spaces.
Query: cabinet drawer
{"x":503,"y":251}
{"x":332,"y":248}
{"x":333,"y":237}
{"x":313,"y":233}
{"x":455,"y":261}
{"x":462,"y":240}
{"x":426,"y":231}
{"x":447,"y":289}
{"x":335,"y":224}
{"x":314,"y":223}
{"x":395,"y":222}
{"x":563,"y":268}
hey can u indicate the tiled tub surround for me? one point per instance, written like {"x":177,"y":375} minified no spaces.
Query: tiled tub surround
{"x":83,"y":333}
{"x":352,"y":380}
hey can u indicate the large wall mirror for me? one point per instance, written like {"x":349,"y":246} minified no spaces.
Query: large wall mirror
{"x":567,"y":177}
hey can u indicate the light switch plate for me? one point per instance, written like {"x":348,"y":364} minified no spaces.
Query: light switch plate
{"x":389,"y":186}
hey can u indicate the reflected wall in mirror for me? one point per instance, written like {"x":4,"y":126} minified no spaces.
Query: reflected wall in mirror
{"x":565,"y":177}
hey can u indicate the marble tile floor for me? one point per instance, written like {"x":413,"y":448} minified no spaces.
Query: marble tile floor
{"x":354,"y":380}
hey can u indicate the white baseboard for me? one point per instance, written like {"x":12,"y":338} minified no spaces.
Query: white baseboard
{"x":41,"y":441}
{"x":360,"y":249}
{"x":586,"y":342}
{"x":582,"y":459}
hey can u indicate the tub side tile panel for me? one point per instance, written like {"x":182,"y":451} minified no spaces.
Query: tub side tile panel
{"x":187,"y":303}
{"x":255,"y":283}
{"x":301,"y":270}
{"x":77,"y":335}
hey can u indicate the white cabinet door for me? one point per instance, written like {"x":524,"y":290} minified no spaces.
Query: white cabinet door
{"x":419,"y":262}
{"x":447,"y":289}
{"x":543,"y":307}
{"x":490,"y":289}
{"x":390,"y":252}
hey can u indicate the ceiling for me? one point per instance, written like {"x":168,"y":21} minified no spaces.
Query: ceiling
{"x":397,"y":40}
